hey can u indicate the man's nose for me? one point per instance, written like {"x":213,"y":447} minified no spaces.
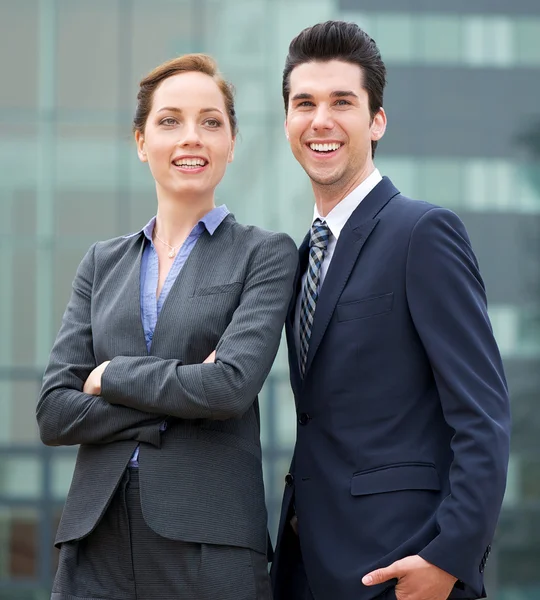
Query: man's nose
{"x":323,"y":118}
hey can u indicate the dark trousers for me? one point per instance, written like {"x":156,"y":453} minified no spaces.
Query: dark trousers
{"x":293,"y":582}
{"x":123,"y":559}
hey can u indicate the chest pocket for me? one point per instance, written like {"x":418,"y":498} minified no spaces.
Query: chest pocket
{"x":367,"y":307}
{"x":224,"y":288}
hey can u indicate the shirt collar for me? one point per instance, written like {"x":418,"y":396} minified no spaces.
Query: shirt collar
{"x":341,"y":213}
{"x":211,"y":221}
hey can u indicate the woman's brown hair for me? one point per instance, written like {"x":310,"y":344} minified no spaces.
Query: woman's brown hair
{"x":201,"y":63}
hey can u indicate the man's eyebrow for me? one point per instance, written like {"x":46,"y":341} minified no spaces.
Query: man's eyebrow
{"x":343,"y":94}
{"x":334,"y":94}
{"x":302,"y":96}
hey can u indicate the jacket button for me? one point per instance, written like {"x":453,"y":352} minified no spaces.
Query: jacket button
{"x":289,"y":479}
{"x":304,"y":419}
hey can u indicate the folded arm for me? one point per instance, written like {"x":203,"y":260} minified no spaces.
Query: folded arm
{"x":227,"y":387}
{"x":65,"y":414}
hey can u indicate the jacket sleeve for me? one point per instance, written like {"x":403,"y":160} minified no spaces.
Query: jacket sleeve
{"x":447,"y":302}
{"x":244,"y":354}
{"x":66,"y":415}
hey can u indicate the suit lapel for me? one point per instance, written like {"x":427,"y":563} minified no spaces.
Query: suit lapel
{"x":131,"y":292}
{"x":303,"y":253}
{"x":185,"y":283}
{"x":350,"y":243}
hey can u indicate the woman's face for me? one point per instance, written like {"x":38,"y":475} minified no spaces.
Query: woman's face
{"x":187,"y":140}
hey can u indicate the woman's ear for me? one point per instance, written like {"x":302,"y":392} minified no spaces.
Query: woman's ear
{"x":231,"y":151}
{"x":141,"y":151}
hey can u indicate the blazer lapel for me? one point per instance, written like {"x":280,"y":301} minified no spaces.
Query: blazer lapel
{"x":206,"y":247}
{"x":351,"y":241}
{"x":131,"y":292}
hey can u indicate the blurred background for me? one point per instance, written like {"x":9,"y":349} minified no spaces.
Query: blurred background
{"x":463,"y":103}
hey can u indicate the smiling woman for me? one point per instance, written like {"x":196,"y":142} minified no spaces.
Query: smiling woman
{"x":185,"y":126}
{"x":165,"y":344}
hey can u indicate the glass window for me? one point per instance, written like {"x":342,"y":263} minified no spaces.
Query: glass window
{"x":19,"y":69}
{"x":21,"y":425}
{"x":477,"y":185}
{"x":6,"y":407}
{"x":142,"y":208}
{"x":23,"y":301}
{"x":440,"y":39}
{"x":65,"y":263}
{"x":18,"y":547}
{"x":505,"y":322}
{"x":517,"y":330}
{"x":62,"y":466}
{"x":404,"y":172}
{"x":529,"y":331}
{"x":397,"y":37}
{"x":474,"y":41}
{"x":247,"y":48}
{"x":173,"y":28}
{"x":86,"y":55}
{"x":528,"y":187}
{"x":20,"y":476}
{"x":86,"y":212}
{"x":24,"y":397}
{"x":512,"y":495}
{"x":441,"y":182}
{"x":530,"y":476}
{"x":527,"y":34}
{"x":501,"y":42}
{"x":87,"y":157}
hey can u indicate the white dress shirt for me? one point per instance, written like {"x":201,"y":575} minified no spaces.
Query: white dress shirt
{"x":335,"y":220}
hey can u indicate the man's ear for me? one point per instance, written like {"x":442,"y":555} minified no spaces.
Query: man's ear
{"x":141,"y":151}
{"x":286,"y":129}
{"x":378,"y":125}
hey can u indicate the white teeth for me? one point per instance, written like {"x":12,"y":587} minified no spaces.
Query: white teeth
{"x":189,"y":162}
{"x":325,"y":147}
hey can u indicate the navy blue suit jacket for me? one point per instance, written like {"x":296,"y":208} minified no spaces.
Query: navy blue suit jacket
{"x":403,"y":415}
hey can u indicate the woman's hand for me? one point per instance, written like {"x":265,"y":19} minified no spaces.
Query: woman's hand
{"x":92,"y":385}
{"x":211,"y":358}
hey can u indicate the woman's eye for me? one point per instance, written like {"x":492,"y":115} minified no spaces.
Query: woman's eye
{"x":212,"y":123}
{"x":168,"y":121}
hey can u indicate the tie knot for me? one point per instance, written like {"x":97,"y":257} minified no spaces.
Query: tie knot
{"x":319,"y":235}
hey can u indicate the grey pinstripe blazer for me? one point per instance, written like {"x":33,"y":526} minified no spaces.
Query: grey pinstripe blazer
{"x":201,"y":479}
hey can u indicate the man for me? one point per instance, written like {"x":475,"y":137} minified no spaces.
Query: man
{"x":402,"y":446}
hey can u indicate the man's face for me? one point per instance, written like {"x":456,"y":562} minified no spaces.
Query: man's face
{"x":328,"y":123}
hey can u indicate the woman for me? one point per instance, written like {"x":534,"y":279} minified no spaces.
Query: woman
{"x":164,"y":346}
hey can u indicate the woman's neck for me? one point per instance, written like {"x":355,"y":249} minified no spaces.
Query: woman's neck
{"x":176,"y":218}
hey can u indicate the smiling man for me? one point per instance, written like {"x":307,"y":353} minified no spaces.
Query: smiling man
{"x":400,"y":462}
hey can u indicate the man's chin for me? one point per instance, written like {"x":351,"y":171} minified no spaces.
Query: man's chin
{"x":324,"y":179}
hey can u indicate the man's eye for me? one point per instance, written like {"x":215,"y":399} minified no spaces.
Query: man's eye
{"x":306,"y":103}
{"x":342,"y":102}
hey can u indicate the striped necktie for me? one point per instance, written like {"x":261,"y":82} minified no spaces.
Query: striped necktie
{"x":310,"y":292}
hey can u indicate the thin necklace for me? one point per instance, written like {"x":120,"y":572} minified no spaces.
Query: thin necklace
{"x":172,"y":251}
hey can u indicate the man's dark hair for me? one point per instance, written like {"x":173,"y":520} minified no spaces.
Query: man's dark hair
{"x":338,"y":40}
